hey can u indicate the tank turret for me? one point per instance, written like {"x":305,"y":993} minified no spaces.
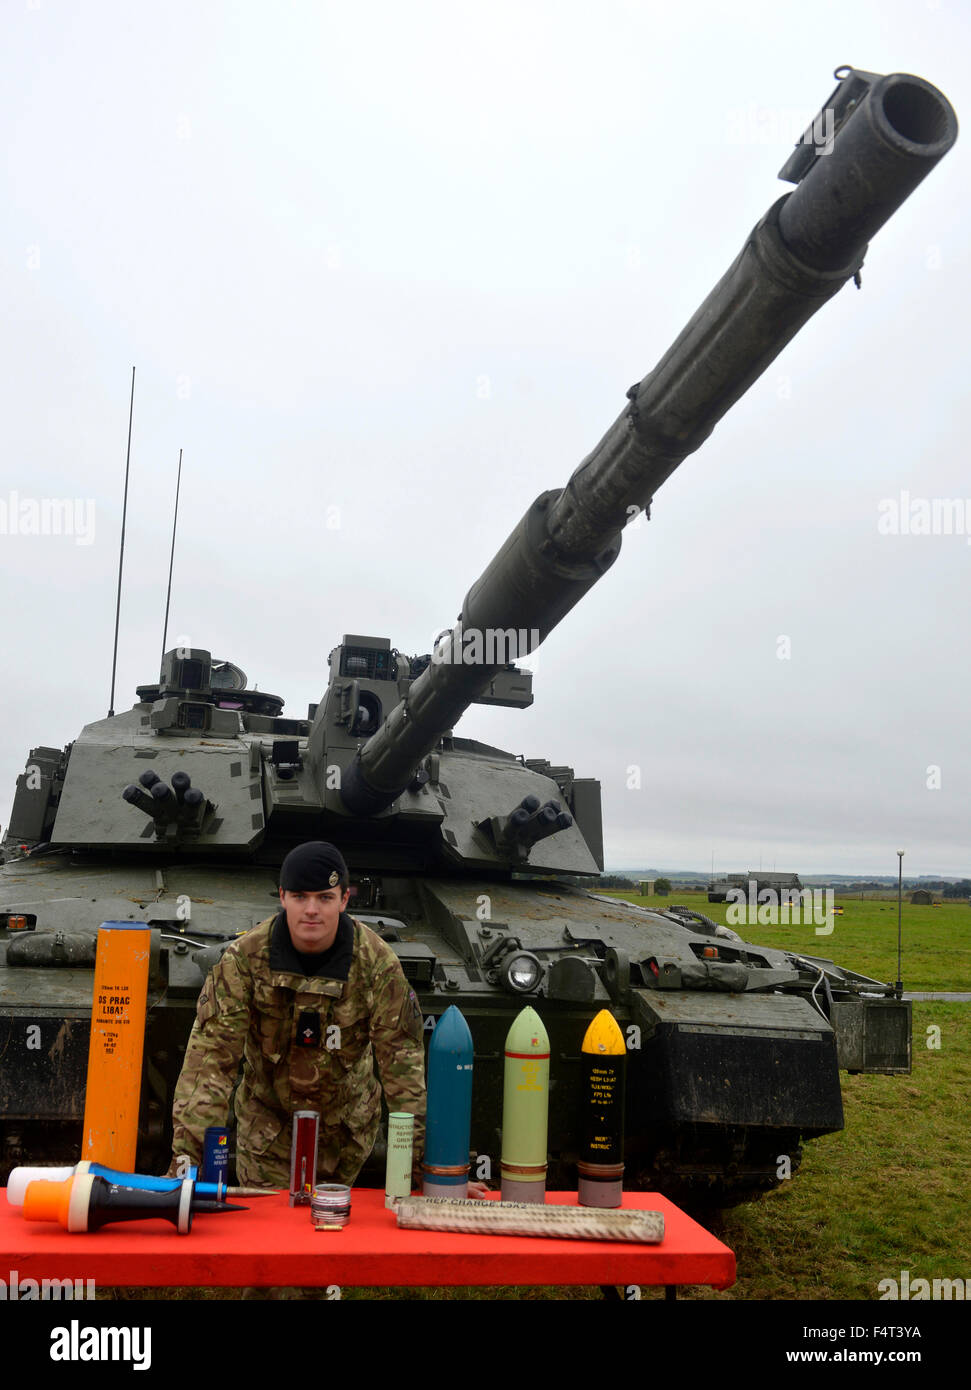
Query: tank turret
{"x":469,"y":860}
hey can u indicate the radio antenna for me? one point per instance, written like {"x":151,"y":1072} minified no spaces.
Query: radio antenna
{"x":121,"y":557}
{"x":175,"y":522}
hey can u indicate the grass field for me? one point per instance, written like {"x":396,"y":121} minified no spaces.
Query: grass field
{"x":888,"y":1193}
{"x":936,"y":940}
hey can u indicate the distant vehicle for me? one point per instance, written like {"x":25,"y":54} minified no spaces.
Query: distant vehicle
{"x":718,"y":888}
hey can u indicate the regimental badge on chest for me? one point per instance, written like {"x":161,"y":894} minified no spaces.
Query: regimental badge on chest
{"x":308,"y":1029}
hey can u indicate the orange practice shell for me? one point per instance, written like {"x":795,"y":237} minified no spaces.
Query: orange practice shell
{"x":117,"y":1040}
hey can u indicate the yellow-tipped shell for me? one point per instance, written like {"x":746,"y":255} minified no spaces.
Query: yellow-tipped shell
{"x":603,"y":1038}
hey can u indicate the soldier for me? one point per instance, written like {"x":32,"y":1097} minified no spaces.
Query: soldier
{"x":309,"y":999}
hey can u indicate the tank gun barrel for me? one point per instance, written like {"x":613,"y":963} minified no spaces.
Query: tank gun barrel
{"x":872,"y":144}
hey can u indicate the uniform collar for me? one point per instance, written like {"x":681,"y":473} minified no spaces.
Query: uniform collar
{"x":334,"y":963}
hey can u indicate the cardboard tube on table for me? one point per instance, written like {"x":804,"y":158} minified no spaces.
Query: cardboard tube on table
{"x":118,"y":1012}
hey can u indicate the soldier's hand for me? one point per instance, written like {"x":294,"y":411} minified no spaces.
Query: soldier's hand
{"x":477,"y":1190}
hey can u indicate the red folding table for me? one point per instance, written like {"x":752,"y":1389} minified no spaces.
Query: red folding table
{"x":275,"y":1244}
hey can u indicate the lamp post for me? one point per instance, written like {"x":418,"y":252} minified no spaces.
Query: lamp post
{"x":900,"y":895}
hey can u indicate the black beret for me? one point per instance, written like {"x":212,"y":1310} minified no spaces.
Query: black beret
{"x":312,"y":867}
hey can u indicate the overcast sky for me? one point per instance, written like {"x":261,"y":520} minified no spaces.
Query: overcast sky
{"x":385,"y":273}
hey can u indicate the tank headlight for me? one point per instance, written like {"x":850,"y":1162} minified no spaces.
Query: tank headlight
{"x":522,"y":972}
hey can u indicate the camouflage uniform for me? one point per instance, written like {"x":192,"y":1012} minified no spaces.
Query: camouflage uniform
{"x":248,"y":1009}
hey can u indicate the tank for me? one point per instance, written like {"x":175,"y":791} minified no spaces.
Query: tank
{"x":751,"y":884}
{"x":479,"y":867}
